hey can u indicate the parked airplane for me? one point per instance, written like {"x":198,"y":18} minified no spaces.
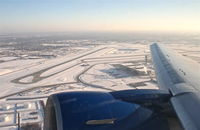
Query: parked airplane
{"x":175,"y":105}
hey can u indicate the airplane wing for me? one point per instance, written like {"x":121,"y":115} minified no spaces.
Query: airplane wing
{"x":181,"y":77}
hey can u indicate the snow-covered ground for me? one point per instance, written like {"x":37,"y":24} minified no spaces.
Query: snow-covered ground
{"x":23,"y":114}
{"x":105,"y":67}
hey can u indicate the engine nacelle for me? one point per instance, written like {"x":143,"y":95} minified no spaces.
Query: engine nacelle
{"x":101,"y":111}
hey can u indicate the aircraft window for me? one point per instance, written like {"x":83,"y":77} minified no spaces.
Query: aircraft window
{"x":99,"y":64}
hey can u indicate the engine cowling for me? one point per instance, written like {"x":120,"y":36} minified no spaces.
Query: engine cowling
{"x":99,"y":111}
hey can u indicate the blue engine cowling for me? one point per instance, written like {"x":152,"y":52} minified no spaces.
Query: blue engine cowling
{"x":104,"y":111}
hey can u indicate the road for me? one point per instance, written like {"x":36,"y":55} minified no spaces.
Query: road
{"x":37,"y":75}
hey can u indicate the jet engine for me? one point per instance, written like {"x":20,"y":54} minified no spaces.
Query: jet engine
{"x":119,"y":110}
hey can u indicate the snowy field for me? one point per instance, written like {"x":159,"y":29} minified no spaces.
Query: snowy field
{"x":102,"y":68}
{"x":94,"y":66}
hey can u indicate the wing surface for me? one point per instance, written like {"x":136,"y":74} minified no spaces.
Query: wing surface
{"x":181,"y":76}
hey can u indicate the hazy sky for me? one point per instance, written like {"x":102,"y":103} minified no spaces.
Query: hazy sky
{"x":99,"y":15}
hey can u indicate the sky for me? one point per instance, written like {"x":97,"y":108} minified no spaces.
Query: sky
{"x":99,"y":15}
